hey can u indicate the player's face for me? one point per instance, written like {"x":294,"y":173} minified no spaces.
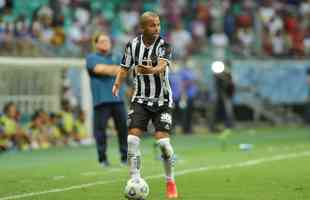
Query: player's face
{"x":103,"y":44}
{"x":152,"y":27}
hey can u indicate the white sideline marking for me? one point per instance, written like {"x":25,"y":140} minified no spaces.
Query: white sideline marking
{"x":93,"y":173}
{"x":179,"y":173}
{"x":115,"y":170}
{"x":89,"y":174}
{"x":108,"y":169}
{"x":56,"y":178}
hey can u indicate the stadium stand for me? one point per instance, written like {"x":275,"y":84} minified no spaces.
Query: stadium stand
{"x":52,"y":28}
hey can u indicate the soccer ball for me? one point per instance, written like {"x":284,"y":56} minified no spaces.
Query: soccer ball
{"x":136,"y":189}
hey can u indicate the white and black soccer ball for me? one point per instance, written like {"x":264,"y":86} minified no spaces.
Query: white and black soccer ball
{"x":136,"y":189}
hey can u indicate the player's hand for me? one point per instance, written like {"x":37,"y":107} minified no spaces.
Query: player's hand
{"x":145,"y":69}
{"x":115,"y":90}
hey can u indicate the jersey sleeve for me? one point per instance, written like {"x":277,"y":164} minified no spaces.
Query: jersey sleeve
{"x":127,"y":60}
{"x":165,"y":52}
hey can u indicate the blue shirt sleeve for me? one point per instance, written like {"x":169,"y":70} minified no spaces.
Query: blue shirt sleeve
{"x":90,"y":63}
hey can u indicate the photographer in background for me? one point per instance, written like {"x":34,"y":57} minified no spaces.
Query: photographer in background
{"x":225,"y":90}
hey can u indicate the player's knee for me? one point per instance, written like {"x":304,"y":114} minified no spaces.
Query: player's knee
{"x":161,"y":135}
{"x":133,"y":140}
{"x":166,"y":148}
{"x":135,"y":132}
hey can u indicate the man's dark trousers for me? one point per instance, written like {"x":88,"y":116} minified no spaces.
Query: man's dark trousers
{"x":102,"y":113}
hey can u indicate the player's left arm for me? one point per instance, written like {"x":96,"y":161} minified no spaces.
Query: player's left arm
{"x":164,"y":57}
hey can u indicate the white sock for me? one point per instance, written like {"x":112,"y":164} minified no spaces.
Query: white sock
{"x":134,"y":154}
{"x":168,"y":157}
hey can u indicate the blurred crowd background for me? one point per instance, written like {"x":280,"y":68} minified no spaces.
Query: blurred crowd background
{"x":244,"y":28}
{"x":264,"y":46}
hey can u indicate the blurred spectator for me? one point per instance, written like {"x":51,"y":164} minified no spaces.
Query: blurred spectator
{"x":80,"y":130}
{"x":64,"y":27}
{"x":79,"y":37}
{"x":175,"y":84}
{"x":129,"y":18}
{"x":12,"y":133}
{"x":199,"y":36}
{"x":180,"y":40}
{"x":279,"y":43}
{"x":307,"y":111}
{"x":58,"y":37}
{"x":245,"y":37}
{"x":183,"y":82}
{"x":229,"y":23}
{"x":23,"y":39}
{"x":55,"y":135}
{"x":3,"y":138}
{"x":66,"y":121}
{"x":200,"y":24}
{"x":68,"y":94}
{"x":225,"y":90}
{"x":189,"y":90}
{"x":219,"y":42}
{"x":7,"y":39}
{"x":37,"y":132}
{"x":275,"y":24}
{"x":266,"y":11}
{"x":307,"y":41}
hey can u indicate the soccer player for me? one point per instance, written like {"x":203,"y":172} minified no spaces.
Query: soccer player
{"x":102,"y":73}
{"x":149,"y":56}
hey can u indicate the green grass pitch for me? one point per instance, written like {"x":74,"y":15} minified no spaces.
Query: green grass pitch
{"x":208,"y":167}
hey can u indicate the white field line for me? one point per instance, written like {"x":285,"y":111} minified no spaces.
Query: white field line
{"x":179,"y":173}
{"x":56,"y":178}
{"x":91,"y":173}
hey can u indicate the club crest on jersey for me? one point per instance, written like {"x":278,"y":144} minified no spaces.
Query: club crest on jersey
{"x":166,"y":117}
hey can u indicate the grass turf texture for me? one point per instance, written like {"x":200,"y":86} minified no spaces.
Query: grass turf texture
{"x":208,"y":167}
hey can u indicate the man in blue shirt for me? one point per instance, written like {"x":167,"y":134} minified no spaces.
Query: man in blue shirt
{"x":189,"y":91}
{"x":102,"y":73}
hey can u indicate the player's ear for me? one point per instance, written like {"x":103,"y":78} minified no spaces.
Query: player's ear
{"x":141,"y":29}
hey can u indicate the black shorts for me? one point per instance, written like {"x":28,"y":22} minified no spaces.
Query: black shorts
{"x":139,"y":116}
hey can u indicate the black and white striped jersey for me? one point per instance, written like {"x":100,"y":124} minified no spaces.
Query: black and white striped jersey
{"x":150,"y":89}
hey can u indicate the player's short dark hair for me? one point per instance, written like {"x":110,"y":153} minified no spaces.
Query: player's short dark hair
{"x":144,"y":17}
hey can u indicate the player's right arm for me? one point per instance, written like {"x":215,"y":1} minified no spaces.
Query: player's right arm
{"x":126,"y":64}
{"x":122,"y":74}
